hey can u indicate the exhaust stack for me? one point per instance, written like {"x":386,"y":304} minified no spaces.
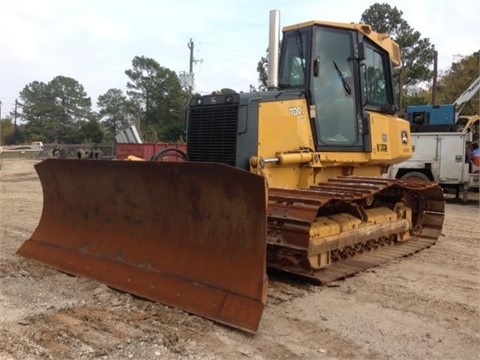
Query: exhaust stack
{"x":273,"y":49}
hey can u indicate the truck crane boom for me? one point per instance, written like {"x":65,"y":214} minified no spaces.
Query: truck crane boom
{"x":465,"y":97}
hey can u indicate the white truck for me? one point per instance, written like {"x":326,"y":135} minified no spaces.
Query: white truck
{"x":440,"y":157}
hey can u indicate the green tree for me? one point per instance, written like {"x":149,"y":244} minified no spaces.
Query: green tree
{"x":158,"y":98}
{"x":262,"y":69}
{"x":55,"y":111}
{"x":91,"y":132}
{"x":115,"y":112}
{"x":6,"y":130}
{"x":173,"y":132}
{"x":11,"y":134}
{"x":224,"y":91}
{"x":71,"y":99}
{"x":39,"y":111}
{"x":417,"y":96}
{"x":417,"y":53}
{"x":457,"y":79}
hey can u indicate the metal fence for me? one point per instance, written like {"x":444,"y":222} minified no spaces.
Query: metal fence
{"x":76,"y":151}
{"x":66,"y":151}
{"x":102,"y":151}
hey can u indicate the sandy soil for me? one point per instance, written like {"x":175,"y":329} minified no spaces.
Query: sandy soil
{"x":424,"y":307}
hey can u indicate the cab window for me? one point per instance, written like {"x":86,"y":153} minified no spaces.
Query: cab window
{"x":374,"y":69}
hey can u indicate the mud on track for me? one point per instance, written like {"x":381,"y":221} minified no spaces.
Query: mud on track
{"x":424,"y":307}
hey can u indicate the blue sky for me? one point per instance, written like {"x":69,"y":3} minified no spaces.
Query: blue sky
{"x":94,"y":41}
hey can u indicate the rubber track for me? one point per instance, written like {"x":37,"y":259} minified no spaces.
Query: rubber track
{"x":291,"y":213}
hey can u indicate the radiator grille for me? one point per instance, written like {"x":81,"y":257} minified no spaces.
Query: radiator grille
{"x":212,"y":133}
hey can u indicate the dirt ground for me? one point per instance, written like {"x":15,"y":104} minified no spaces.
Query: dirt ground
{"x":426,"y":306}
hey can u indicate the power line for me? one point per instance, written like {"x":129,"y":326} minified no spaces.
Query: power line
{"x":231,"y":59}
{"x":237,"y":51}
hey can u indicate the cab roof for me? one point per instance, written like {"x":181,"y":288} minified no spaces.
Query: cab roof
{"x":381,"y":39}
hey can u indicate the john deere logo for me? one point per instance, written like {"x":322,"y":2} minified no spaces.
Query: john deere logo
{"x":404,"y":137}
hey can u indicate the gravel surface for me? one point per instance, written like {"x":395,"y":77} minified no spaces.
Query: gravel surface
{"x":426,"y":306}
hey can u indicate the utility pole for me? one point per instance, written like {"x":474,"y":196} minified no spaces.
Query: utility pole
{"x":15,"y":117}
{"x":15,"y":122}
{"x":191,"y":46}
{"x":435,"y":74}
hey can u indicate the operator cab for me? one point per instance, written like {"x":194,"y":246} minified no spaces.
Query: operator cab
{"x":345,"y":72}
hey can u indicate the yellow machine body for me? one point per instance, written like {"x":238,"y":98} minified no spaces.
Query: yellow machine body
{"x":290,"y":179}
{"x":282,"y":128}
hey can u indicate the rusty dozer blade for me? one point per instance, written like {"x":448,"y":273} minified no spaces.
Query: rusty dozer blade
{"x":188,"y":235}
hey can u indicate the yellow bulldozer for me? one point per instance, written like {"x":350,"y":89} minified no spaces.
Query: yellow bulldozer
{"x":291,"y":179}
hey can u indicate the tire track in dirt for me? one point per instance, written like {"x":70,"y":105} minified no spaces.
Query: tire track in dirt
{"x":91,"y":332}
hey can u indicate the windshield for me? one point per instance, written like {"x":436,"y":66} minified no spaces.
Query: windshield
{"x":333,"y":87}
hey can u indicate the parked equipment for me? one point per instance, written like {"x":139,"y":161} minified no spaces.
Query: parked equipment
{"x":290,"y":178}
{"x":440,"y":137}
{"x":442,"y":118}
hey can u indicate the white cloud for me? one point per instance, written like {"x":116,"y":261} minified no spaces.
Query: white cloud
{"x":95,"y":41}
{"x":21,"y":31}
{"x":104,"y":28}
